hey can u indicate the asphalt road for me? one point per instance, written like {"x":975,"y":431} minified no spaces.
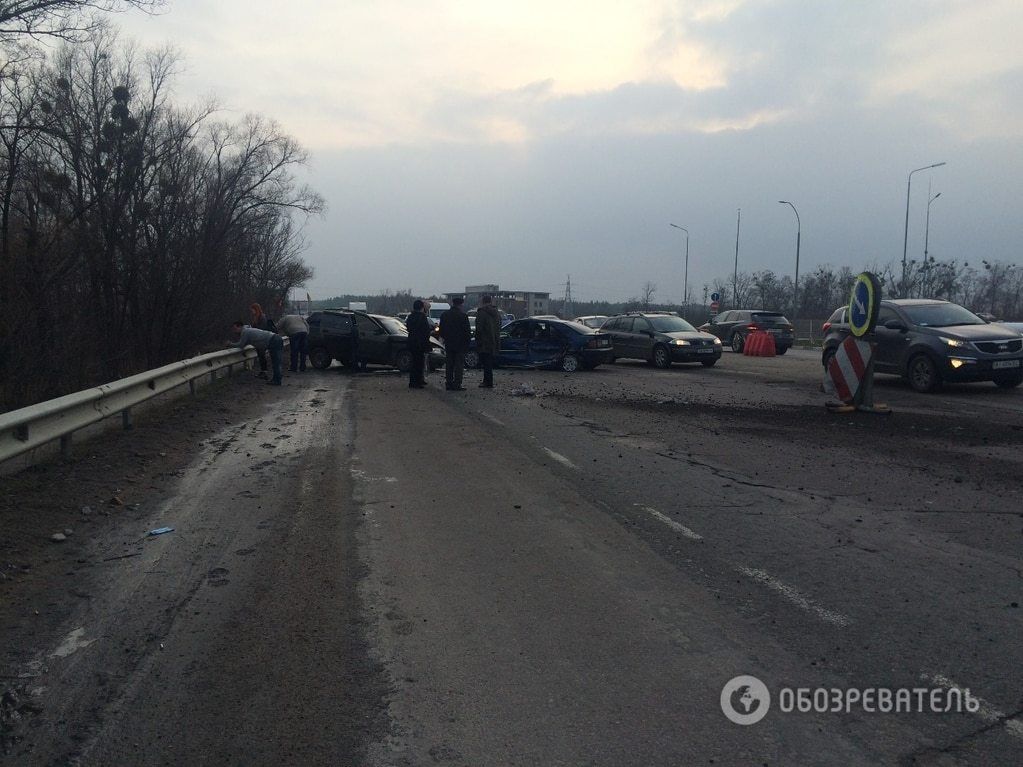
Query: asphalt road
{"x":565,"y":570}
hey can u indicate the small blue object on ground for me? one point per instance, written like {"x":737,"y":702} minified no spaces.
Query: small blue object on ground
{"x":161,"y":530}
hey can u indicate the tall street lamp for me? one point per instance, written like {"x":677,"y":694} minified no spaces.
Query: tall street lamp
{"x":927,"y":226}
{"x":685,"y":278}
{"x":799,"y":232}
{"x":735,"y":274}
{"x":905,"y":235}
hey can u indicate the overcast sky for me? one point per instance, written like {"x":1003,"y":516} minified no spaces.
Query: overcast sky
{"x":520,"y":142}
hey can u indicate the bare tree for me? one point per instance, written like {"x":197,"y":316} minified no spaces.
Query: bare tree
{"x":649,"y":289}
{"x":63,"y":19}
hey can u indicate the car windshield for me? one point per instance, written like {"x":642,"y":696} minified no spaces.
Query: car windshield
{"x":941,"y":315}
{"x":393,"y":325}
{"x":578,"y":327}
{"x":670,"y":324}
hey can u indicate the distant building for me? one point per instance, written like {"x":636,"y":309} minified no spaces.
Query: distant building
{"x":521,"y":303}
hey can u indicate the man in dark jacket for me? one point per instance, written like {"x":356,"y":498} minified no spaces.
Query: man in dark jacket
{"x":418,"y":343}
{"x":454,"y":329}
{"x":488,"y":338}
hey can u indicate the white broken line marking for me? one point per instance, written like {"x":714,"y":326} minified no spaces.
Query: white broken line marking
{"x":491,"y":418}
{"x":560,"y":459}
{"x":987,"y":712}
{"x":677,"y":527}
{"x":795,"y":597}
{"x":360,"y":474}
{"x":72,"y":643}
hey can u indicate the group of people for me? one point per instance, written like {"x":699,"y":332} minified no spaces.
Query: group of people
{"x":455,"y":330}
{"x":268,"y":339}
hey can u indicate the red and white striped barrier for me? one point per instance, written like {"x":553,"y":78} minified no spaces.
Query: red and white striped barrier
{"x":847,"y":370}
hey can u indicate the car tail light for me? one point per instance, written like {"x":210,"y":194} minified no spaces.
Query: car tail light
{"x":753,"y":326}
{"x":826,"y":327}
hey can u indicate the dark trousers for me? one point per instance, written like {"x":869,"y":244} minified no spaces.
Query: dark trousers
{"x":261,"y":356}
{"x":415,"y":371}
{"x":487,"y":363}
{"x":454,"y":366}
{"x":276,"y":349}
{"x":297,"y":345}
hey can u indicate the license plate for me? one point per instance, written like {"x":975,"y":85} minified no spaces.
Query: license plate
{"x":1002,"y":364}
{"x":705,"y":351}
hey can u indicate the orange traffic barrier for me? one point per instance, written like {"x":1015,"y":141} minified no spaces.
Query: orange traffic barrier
{"x":768,"y":349}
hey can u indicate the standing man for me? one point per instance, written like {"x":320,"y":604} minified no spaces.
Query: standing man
{"x":263,"y":341}
{"x":418,"y":343}
{"x":296,"y":329}
{"x":488,"y":338}
{"x":454,"y":329}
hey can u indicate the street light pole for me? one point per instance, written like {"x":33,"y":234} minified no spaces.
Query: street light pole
{"x":799,"y":233}
{"x":927,"y":226}
{"x":685,"y":278}
{"x":905,"y":235}
{"x":735,"y":274}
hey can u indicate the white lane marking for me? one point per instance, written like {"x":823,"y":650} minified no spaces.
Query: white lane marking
{"x":72,"y":643}
{"x":560,"y":459}
{"x":987,"y":712}
{"x":795,"y":597}
{"x":677,"y":527}
{"x":360,"y":474}
{"x":491,"y":418}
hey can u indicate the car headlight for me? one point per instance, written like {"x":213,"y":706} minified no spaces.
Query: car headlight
{"x":680,"y":342}
{"x":955,"y":342}
{"x":717,"y":340}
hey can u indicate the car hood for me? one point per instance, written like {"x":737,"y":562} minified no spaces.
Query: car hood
{"x":992,"y":332}
{"x":689,"y":335}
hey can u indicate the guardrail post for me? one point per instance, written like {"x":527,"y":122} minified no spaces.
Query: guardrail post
{"x":126,"y":418}
{"x":191,"y":385}
{"x":213,"y":376}
{"x":65,"y":447}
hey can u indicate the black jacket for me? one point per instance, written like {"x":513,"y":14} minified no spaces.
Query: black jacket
{"x":418,"y":332}
{"x":454,"y":329}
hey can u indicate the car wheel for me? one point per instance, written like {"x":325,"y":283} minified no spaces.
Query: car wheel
{"x":403,"y":360}
{"x":781,"y":350}
{"x":570,"y":363}
{"x":708,"y":363}
{"x":471,"y":360}
{"x":923,"y":374}
{"x":1009,"y":382}
{"x":320,"y":358}
{"x":738,"y":342}
{"x":662,"y":357}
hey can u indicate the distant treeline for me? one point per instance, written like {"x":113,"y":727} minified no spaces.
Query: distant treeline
{"x":132,"y":230}
{"x":991,"y":287}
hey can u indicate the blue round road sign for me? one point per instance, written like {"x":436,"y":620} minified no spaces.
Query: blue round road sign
{"x":715,"y":297}
{"x":864,"y":304}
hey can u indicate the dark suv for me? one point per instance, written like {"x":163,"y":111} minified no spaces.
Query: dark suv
{"x":929,"y":342}
{"x":660,"y":339}
{"x":732,"y":327}
{"x":382,"y":340}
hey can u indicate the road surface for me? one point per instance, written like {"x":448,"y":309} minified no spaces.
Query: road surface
{"x":566,"y":570}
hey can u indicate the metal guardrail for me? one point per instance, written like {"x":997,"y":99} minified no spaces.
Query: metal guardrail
{"x":33,"y":426}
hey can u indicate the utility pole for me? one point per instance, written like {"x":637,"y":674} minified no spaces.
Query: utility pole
{"x":566,"y":306}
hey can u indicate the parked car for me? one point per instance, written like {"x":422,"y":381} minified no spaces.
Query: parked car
{"x":660,"y":339}
{"x":548,"y":343}
{"x":734,"y":326}
{"x":382,"y":340}
{"x":591,"y":320}
{"x":929,"y":342}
